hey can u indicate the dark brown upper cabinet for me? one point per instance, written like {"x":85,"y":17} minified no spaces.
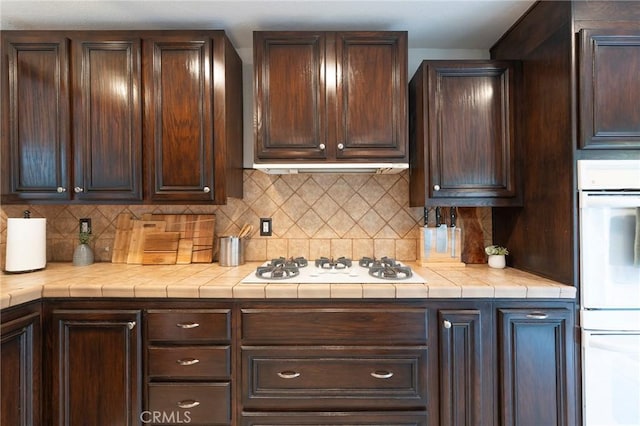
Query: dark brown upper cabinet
{"x":36,"y":135}
{"x":107,"y":117}
{"x":462,"y":127}
{"x":330,"y":96}
{"x":77,"y":116}
{"x":609,"y":60}
{"x":193,"y":117}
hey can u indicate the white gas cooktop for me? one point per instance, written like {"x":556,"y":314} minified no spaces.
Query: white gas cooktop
{"x":312,"y":274}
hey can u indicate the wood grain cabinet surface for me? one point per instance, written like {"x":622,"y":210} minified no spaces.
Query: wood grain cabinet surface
{"x":608,"y":64}
{"x":36,"y":130}
{"x":189,"y":365}
{"x":121,"y":116}
{"x":330,"y":96}
{"x":462,"y":127}
{"x":95,"y":366}
{"x":21,"y":367}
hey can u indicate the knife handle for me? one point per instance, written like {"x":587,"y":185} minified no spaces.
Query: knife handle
{"x":452,"y":217}
{"x":438,"y":217}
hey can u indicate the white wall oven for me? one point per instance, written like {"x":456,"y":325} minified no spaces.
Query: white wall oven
{"x":609,"y":201}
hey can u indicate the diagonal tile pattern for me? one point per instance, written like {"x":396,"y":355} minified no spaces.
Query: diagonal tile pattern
{"x":313,"y":215}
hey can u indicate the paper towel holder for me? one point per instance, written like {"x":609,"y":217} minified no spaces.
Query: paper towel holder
{"x":26,"y":244}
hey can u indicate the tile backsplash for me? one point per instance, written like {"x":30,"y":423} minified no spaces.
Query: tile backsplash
{"x":313,"y":215}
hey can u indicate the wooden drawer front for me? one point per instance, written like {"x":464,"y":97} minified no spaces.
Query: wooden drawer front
{"x":189,"y":325}
{"x":332,"y":325}
{"x":190,"y":362}
{"x":342,"y":419}
{"x":334,"y":378}
{"x":193,"y":403}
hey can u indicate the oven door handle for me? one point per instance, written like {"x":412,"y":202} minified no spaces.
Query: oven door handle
{"x":632,"y":351}
{"x":613,"y":199}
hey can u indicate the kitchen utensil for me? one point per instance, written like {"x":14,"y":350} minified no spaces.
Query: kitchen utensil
{"x":245,"y":231}
{"x":441,"y":232}
{"x":199,"y":228}
{"x":231,"y":251}
{"x":138,"y":231}
{"x":160,"y":248}
{"x":185,"y":251}
{"x":120,"y":249}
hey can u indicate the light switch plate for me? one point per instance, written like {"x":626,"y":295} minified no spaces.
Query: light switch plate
{"x":265,"y":227}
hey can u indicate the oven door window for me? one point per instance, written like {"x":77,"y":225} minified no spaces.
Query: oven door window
{"x":611,"y":379}
{"x":610,"y":270}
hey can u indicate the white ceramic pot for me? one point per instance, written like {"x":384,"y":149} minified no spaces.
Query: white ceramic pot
{"x":497,"y":261}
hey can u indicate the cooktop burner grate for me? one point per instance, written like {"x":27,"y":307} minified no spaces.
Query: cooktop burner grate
{"x":339,"y":263}
{"x":282,"y":268}
{"x":386,"y":268}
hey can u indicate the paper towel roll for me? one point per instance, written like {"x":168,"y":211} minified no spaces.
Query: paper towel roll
{"x":26,"y":244}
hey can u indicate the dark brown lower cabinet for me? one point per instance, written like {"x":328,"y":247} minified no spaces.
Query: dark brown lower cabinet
{"x":95,"y":366}
{"x":328,"y":418}
{"x":466,"y":379}
{"x":442,"y":362}
{"x":20,"y":367}
{"x":536,"y":366}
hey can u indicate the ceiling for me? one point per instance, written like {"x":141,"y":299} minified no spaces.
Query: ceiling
{"x":431,"y":24}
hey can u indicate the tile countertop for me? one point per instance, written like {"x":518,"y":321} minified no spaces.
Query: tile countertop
{"x":213,"y":281}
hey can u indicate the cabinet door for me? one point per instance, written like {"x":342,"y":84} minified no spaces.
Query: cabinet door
{"x":371,"y":95}
{"x":609,"y":88}
{"x":179,"y":117}
{"x":290,"y":102}
{"x":466,"y":387}
{"x":20,"y":371}
{"x":35,"y":117}
{"x":536,"y":367}
{"x":463,"y":134}
{"x":96,"y":367}
{"x":108,"y":118}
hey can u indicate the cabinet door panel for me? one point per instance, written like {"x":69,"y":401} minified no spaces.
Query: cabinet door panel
{"x":290,"y":99}
{"x":466,"y":387}
{"x":95,"y":351}
{"x":20,"y":371}
{"x":470,"y":130}
{"x":36,"y":135}
{"x":536,"y":367}
{"x":334,"y":418}
{"x":179,"y":118}
{"x":108,"y":113}
{"x":371,"y":95}
{"x":610,"y":88}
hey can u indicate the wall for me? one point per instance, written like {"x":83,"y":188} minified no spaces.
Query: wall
{"x":313,"y":215}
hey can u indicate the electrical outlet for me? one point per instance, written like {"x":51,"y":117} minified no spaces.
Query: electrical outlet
{"x":85,"y":225}
{"x":265,"y":227}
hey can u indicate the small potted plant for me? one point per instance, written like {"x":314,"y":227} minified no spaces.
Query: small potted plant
{"x":496,"y":256}
{"x":83,"y":254}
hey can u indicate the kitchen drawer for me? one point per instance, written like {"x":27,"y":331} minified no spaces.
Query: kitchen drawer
{"x":201,"y":403}
{"x":332,"y":418}
{"x":352,"y":326}
{"x":189,"y":325}
{"x":190,"y":362}
{"x":334,"y":378}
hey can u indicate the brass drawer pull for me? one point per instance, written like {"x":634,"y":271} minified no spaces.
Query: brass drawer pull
{"x":188,"y":403}
{"x":188,"y":361}
{"x":288,"y":374}
{"x":382,"y":374}
{"x":538,"y":315}
{"x":187,"y":325}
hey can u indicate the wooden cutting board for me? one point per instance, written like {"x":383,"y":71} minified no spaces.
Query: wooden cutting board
{"x":138,"y":231}
{"x":185,"y":251}
{"x":199,"y":228}
{"x":120,"y":251}
{"x":160,"y":248}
